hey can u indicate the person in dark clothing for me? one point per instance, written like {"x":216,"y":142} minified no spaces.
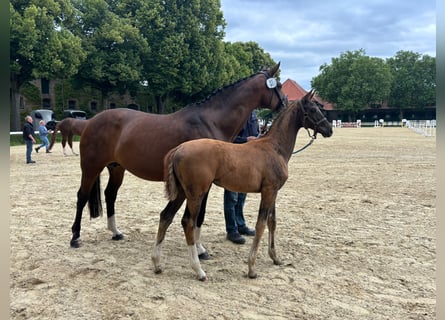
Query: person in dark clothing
{"x":234,"y":201}
{"x":28,"y":136}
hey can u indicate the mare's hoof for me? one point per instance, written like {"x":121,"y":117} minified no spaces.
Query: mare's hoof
{"x":158,"y":270}
{"x":118,"y":237}
{"x":75,"y":243}
{"x":252,"y":275}
{"x":202,"y":278}
{"x":204,"y":256}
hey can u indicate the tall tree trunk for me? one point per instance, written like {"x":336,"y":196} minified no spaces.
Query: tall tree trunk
{"x":14,"y":98}
{"x":161,"y":103}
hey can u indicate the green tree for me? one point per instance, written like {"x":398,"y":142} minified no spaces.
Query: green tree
{"x":186,"y":47}
{"x":414,"y":80}
{"x":41,"y":45}
{"x":353,"y":81}
{"x":113,"y":45}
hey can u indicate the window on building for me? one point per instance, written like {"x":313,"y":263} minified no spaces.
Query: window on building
{"x":112,"y":105}
{"x":93,"y":105}
{"x":71,"y":104}
{"x":45,"y":86}
{"x":46,"y":103}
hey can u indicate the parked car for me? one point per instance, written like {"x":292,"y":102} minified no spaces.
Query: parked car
{"x":76,"y":114}
{"x":41,"y":114}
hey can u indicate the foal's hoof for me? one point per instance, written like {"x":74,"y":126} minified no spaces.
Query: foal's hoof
{"x":118,"y":237}
{"x":252,"y":275}
{"x":204,"y":256}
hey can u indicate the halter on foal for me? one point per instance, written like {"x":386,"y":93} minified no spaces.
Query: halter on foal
{"x":125,"y":139}
{"x":68,"y":127}
{"x":258,"y":166}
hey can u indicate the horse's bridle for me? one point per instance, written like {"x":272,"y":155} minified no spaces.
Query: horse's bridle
{"x":282,"y":100}
{"x":315,"y":123}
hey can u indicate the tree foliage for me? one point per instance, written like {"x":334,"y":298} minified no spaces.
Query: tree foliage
{"x":414,"y":80}
{"x":353,"y":81}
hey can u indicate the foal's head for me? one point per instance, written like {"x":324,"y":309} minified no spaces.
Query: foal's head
{"x":313,"y":116}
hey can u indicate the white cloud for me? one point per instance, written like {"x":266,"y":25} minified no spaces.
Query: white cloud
{"x":305,"y":34}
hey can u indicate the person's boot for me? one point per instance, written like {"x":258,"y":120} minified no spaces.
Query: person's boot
{"x":37,"y":149}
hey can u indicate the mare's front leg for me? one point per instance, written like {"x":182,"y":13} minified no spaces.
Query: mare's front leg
{"x":114,"y":182}
{"x":166,"y":218}
{"x":189,"y":221}
{"x":271,"y":224}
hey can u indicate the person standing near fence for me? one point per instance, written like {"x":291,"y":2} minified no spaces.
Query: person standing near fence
{"x":28,"y":136}
{"x":43,"y":133}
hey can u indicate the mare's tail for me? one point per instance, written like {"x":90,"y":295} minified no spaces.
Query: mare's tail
{"x":172,"y":184}
{"x":53,"y":137}
{"x":95,"y":202}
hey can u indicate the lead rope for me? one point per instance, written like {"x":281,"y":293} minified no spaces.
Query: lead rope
{"x":313,"y":137}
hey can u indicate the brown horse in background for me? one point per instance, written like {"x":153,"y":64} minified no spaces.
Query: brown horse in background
{"x":125,"y":139}
{"x":259,"y":166}
{"x":68,"y":127}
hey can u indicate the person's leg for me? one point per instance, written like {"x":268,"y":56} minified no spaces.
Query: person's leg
{"x":239,"y":216}
{"x":28,"y":151}
{"x":239,"y":207}
{"x":46,"y":143}
{"x":230,"y":199}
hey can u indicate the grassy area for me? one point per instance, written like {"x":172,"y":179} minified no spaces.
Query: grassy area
{"x":17,"y":140}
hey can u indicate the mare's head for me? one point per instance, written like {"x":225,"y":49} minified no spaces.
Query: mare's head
{"x":313,"y":116}
{"x":277,"y":99}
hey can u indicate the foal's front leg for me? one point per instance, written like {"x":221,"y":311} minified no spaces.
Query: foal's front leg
{"x":271,"y":224}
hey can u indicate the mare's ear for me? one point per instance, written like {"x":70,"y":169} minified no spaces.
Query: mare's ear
{"x":308,"y":96}
{"x":274,"y":69}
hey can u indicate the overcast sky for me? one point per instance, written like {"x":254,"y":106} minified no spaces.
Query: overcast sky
{"x":304,"y":34}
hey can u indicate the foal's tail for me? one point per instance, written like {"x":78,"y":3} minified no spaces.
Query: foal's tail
{"x":54,"y":136}
{"x":172,"y":184}
{"x":95,"y":201}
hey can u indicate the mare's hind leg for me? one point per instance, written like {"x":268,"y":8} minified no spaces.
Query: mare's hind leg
{"x":70,"y":143}
{"x":202,"y":252}
{"x":83,"y":195}
{"x":166,"y":218}
{"x":114,"y":182}
{"x":64,"y":144}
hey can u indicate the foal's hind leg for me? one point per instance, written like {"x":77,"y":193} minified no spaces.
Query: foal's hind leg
{"x":114,"y":182}
{"x":202,"y":252}
{"x":64,"y":143}
{"x":166,"y":218}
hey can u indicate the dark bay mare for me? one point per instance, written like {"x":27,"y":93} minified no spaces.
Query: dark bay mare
{"x":68,"y":127}
{"x":125,"y":139}
{"x":259,"y":166}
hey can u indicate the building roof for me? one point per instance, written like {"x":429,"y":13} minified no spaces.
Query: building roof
{"x":295,"y":92}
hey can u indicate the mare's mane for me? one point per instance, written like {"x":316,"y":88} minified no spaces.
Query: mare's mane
{"x":220,"y":90}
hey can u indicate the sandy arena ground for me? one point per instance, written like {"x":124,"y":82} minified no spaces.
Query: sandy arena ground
{"x":356,"y":230}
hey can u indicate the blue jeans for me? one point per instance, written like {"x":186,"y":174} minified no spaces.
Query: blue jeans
{"x":233,"y":210}
{"x":45,"y":142}
{"x":28,"y":150}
